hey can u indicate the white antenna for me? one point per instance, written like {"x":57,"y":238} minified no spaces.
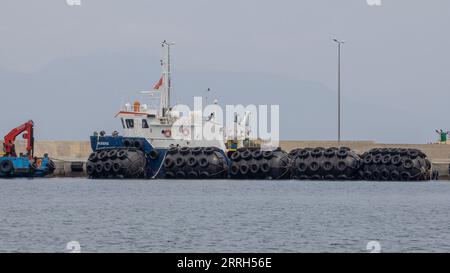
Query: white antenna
{"x":166,"y":69}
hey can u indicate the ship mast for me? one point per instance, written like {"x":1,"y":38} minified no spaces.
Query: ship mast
{"x":166,"y":69}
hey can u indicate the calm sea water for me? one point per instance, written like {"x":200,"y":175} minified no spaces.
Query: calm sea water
{"x":43,"y":215}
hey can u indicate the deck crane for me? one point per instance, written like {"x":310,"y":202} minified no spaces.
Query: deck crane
{"x":9,"y":146}
{"x":23,"y":165}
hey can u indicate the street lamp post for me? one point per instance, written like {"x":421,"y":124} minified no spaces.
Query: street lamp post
{"x":339,"y":43}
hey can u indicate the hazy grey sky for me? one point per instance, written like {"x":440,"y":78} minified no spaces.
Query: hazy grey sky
{"x":70,"y":67}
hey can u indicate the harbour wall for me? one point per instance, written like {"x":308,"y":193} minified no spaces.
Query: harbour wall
{"x":64,"y":153}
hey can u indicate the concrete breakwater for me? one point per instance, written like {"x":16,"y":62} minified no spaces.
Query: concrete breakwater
{"x":70,"y":156}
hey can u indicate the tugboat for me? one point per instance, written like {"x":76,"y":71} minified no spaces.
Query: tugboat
{"x":159,"y":142}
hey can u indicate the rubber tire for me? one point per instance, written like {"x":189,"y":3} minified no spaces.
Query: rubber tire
{"x":234,"y":169}
{"x":6,"y":166}
{"x":180,"y":175}
{"x":184,"y":150}
{"x":395,"y":175}
{"x":327,"y":166}
{"x":236,"y":156}
{"x":93,"y":157}
{"x":314,"y":166}
{"x":257,"y":154}
{"x":154,"y":154}
{"x":254,"y":168}
{"x":203,"y":162}
{"x":122,"y":154}
{"x":127,"y":143}
{"x":342,"y":153}
{"x":407,"y":163}
{"x":192,"y":161}
{"x":396,"y":160}
{"x":268,"y":154}
{"x":265,"y":167}
{"x":117,"y":166}
{"x":341,"y":166}
{"x":112,"y":154}
{"x":246,"y":155}
{"x":168,"y":162}
{"x":169,"y":175}
{"x":138,"y":144}
{"x":243,"y":169}
{"x":302,"y":167}
{"x":103,"y":155}
{"x":107,"y":166}
{"x":192,"y":175}
{"x":99,"y":167}
{"x":90,"y":168}
{"x":180,"y":162}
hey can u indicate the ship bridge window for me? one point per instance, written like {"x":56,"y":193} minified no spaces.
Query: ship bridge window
{"x":123,"y":123}
{"x":144,"y":124}
{"x":129,"y":123}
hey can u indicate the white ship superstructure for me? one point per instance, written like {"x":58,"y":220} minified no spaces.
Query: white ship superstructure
{"x":164,"y":127}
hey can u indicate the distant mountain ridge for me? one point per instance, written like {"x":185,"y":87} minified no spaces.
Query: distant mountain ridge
{"x":68,"y":99}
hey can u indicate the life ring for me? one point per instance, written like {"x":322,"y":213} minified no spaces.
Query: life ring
{"x":168,"y":133}
{"x":39,"y":163}
{"x":185,"y":131}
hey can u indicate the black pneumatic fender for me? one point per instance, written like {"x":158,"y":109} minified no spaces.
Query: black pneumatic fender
{"x":199,"y":160}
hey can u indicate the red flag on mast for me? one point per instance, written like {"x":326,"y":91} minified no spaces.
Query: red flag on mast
{"x":158,"y":84}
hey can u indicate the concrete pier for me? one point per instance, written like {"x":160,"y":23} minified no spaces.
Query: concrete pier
{"x":68,"y":155}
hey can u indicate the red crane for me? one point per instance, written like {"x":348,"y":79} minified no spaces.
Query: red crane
{"x":9,"y":146}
